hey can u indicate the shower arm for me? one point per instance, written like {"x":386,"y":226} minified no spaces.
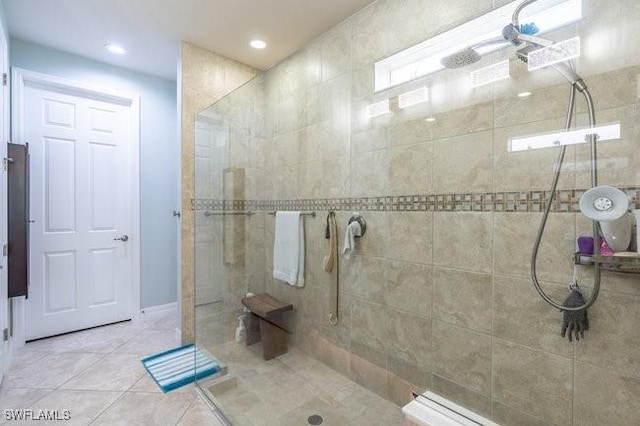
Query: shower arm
{"x":516,"y":13}
{"x":540,"y":41}
{"x":594,"y":182}
{"x":512,"y":33}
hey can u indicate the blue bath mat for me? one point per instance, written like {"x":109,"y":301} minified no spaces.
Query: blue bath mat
{"x":180,"y":366}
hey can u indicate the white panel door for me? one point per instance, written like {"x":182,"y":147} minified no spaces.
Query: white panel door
{"x":80,"y":210}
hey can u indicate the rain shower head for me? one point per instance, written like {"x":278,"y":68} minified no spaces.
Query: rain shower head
{"x":461,"y":58}
{"x":526,"y":44}
{"x":468,"y":55}
{"x":510,"y":36}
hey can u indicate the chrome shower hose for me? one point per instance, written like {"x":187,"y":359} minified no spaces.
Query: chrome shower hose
{"x":556,"y":176}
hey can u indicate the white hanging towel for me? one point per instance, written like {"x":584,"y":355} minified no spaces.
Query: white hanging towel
{"x":353,"y":230}
{"x":288,"y":248}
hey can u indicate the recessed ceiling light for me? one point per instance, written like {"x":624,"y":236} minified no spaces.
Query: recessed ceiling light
{"x":524,"y":94}
{"x":115,"y":48}
{"x":430,"y":119}
{"x":258,"y":44}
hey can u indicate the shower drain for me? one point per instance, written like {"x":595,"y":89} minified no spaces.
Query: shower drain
{"x":315,"y":420}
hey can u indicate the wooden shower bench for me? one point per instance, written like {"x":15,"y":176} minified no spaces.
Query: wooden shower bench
{"x":262,"y":324}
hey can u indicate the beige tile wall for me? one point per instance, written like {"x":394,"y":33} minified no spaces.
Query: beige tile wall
{"x":443,"y":300}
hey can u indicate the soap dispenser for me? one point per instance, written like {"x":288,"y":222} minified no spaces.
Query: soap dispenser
{"x":241,"y":330}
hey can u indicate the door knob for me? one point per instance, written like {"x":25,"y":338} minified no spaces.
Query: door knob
{"x":124,"y":238}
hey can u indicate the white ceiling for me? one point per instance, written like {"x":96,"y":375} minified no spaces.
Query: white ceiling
{"x":151,"y":30}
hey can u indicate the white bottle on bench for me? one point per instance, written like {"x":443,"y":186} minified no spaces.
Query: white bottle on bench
{"x":241,"y":330}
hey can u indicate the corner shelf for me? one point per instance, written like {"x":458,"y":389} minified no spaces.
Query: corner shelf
{"x":626,"y":262}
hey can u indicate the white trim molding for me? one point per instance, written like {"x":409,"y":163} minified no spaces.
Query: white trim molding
{"x":5,"y":347}
{"x":152,"y":310}
{"x":152,"y":313}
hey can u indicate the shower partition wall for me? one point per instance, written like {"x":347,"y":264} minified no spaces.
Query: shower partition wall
{"x":438,"y":294}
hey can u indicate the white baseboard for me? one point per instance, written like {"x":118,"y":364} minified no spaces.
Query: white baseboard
{"x":154,"y":312}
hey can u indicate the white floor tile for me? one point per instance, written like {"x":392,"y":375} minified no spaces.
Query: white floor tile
{"x":83,"y":406}
{"x":51,"y":371}
{"x":98,"y":376}
{"x":114,"y":372}
{"x":139,"y":408}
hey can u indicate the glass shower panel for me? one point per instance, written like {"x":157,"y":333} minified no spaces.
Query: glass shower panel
{"x":225,"y":229}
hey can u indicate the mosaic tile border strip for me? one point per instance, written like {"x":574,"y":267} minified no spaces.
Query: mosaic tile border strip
{"x":513,"y":202}
{"x":208,"y":204}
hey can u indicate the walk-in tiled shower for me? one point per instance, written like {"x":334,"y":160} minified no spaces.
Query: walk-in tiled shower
{"x":438,"y":295}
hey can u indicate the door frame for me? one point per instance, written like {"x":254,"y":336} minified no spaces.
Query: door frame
{"x":20,"y":78}
{"x":6,"y":109}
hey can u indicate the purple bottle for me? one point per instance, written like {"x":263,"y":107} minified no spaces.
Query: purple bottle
{"x":585,"y":245}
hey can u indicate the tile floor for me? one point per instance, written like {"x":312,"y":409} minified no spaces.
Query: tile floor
{"x":287,"y":390}
{"x":97,"y":375}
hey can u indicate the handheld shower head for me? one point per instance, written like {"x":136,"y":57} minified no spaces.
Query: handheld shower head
{"x":564,"y":69}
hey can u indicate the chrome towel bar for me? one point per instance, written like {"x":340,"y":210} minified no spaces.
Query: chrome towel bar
{"x":312,"y":214}
{"x":247,"y":213}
